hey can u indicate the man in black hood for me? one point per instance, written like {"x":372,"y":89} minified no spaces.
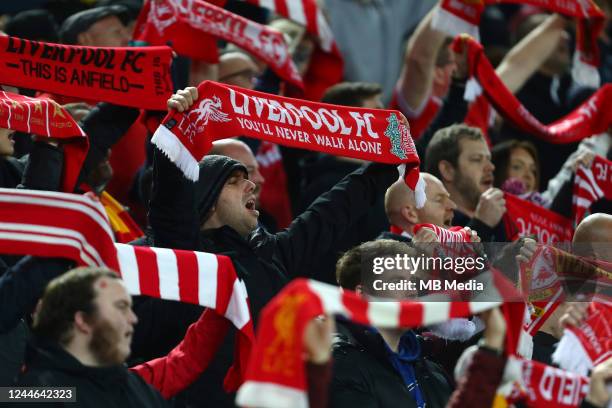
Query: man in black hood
{"x":218,"y":214}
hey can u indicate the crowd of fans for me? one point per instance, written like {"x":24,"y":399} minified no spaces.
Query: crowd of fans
{"x":281,"y":213}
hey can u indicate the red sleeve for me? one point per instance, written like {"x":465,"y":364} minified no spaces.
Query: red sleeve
{"x":319,"y":376}
{"x":184,"y":364}
{"x":478,"y":387}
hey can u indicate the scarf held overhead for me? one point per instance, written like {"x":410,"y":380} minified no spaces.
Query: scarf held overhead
{"x":276,"y":374}
{"x":225,"y":111}
{"x":526,"y":219}
{"x":185,"y":23}
{"x":130,"y":76}
{"x":79,"y":230}
{"x":44,"y":117}
{"x":594,"y":116}
{"x":456,"y":17}
{"x":590,"y":185}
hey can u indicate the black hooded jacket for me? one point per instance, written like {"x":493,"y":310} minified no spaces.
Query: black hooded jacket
{"x":49,"y":365}
{"x":266,"y":262}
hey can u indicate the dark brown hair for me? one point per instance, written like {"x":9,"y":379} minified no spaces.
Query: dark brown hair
{"x":355,"y":261}
{"x":444,"y":145}
{"x":351,"y":93}
{"x":500,"y":156}
{"x":64,"y":296}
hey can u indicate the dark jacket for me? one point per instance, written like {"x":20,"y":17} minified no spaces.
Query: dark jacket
{"x":544,"y":346}
{"x":50,"y":366}
{"x":486,"y":233}
{"x":363,"y":376}
{"x":266,"y":262}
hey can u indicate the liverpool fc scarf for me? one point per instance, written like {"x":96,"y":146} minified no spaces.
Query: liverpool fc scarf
{"x":276,"y":374}
{"x":591,"y":184}
{"x":541,"y":386}
{"x":138,"y":77}
{"x":225,"y":111}
{"x":582,"y":348}
{"x":525,"y":218}
{"x":463,"y":17}
{"x":181,"y":23}
{"x":44,"y":117}
{"x":49,"y":224}
{"x":594,"y":116}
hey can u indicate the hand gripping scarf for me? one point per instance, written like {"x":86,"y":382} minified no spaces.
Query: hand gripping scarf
{"x":594,"y":116}
{"x":225,"y":111}
{"x":44,"y":117}
{"x":192,"y":26}
{"x":130,"y":76}
{"x":463,"y":17}
{"x":78,"y":229}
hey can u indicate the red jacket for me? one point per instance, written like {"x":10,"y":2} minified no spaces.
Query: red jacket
{"x":184,"y":364}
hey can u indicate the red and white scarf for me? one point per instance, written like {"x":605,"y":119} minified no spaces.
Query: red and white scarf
{"x":326,"y":67}
{"x":541,"y":386}
{"x":591,"y":184}
{"x":225,"y":111}
{"x":189,"y":25}
{"x":525,"y":218}
{"x":582,"y":348}
{"x":452,"y":234}
{"x":594,"y":116}
{"x":276,"y":374}
{"x":50,"y":224}
{"x":456,"y":17}
{"x":44,"y":117}
{"x":130,"y":76}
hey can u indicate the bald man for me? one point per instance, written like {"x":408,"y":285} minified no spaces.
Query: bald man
{"x":593,"y":236}
{"x":237,"y":68}
{"x":402,"y":212}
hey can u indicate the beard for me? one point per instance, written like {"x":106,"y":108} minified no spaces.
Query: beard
{"x":104,"y":344}
{"x":468,"y":189}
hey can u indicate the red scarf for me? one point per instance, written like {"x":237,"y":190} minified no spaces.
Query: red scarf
{"x":123,"y":225}
{"x":479,"y":115}
{"x":276,"y":375}
{"x":592,"y":117}
{"x":543,"y":386}
{"x":542,"y":279}
{"x":591,"y":185}
{"x":463,"y":16}
{"x":274,"y":198}
{"x":225,"y":111}
{"x":130,"y":76}
{"x":79,"y":230}
{"x":582,"y":348}
{"x":326,"y":67}
{"x":44,"y":117}
{"x":452,"y":234}
{"x":525,"y":218}
{"x":190,"y":27}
